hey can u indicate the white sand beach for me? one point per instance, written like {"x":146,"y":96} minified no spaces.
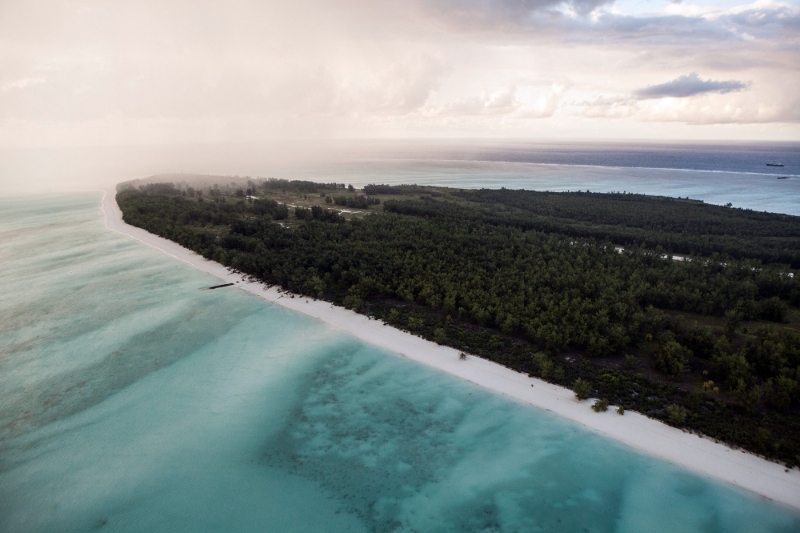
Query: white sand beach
{"x":696,"y":453}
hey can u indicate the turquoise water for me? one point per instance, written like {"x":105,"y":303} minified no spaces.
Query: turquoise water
{"x":134,"y":400}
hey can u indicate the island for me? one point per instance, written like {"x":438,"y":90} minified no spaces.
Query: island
{"x":682,"y":311}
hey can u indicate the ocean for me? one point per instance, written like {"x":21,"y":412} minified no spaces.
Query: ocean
{"x":135,"y":399}
{"x":735,"y":173}
{"x":717,"y":173}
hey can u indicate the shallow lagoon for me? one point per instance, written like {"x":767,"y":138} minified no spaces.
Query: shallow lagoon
{"x":134,"y":400}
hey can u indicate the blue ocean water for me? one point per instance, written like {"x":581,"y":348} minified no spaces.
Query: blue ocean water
{"x":717,"y":174}
{"x":135,"y":400}
{"x":740,"y":157}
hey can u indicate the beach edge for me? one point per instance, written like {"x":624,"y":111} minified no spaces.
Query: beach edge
{"x":694,"y":452}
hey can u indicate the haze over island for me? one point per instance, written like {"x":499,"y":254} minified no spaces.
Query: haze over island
{"x":89,"y":81}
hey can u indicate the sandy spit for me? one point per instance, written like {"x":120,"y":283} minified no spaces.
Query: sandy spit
{"x":699,"y":454}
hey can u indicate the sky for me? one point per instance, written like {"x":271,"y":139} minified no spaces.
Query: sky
{"x":90,"y":73}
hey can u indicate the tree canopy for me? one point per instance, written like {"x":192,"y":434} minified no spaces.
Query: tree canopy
{"x":540,"y":281}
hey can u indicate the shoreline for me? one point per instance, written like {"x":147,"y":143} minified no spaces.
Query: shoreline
{"x":693,"y":452}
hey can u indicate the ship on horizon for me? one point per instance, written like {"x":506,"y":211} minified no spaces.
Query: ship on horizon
{"x":776,"y":164}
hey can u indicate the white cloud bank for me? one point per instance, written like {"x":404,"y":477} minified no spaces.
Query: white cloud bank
{"x":96,"y":72}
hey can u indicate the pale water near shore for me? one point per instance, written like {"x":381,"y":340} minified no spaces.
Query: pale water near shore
{"x":133,"y":400}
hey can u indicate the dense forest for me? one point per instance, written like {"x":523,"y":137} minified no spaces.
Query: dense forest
{"x":682,"y":227}
{"x":579,"y":289}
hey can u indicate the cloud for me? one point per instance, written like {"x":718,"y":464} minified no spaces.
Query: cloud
{"x":20,"y":84}
{"x":689,"y":85}
{"x":771,"y":105}
{"x":708,"y":110}
{"x":762,"y":18}
{"x":168,"y":70}
{"x":680,"y":25}
{"x":406,"y":86}
{"x":501,"y":102}
{"x":762,"y":24}
{"x":603,"y":107}
{"x":546,"y":105}
{"x":499,"y":15}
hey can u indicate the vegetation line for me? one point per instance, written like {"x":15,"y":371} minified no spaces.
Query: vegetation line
{"x":536,"y":282}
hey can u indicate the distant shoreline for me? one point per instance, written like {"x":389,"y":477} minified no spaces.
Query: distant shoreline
{"x":696,"y":453}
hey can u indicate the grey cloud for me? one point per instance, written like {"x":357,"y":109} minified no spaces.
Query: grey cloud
{"x":689,"y":85}
{"x":501,"y":14}
{"x":769,"y":18}
{"x":530,"y":20}
{"x":670,"y":30}
{"x":773,"y":26}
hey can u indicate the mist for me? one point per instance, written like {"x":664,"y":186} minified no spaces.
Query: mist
{"x":92,"y":92}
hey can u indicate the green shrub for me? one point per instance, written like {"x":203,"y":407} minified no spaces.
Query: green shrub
{"x":700,"y":341}
{"x":415,"y":323}
{"x":600,"y":406}
{"x":353,"y":302}
{"x":676,"y":414}
{"x":773,"y":309}
{"x":734,"y":367}
{"x":672,"y":358}
{"x":782,"y":390}
{"x":542,"y":364}
{"x":582,"y":388}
